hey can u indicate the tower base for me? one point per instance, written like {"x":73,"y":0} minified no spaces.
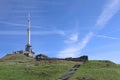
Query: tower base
{"x":28,"y":51}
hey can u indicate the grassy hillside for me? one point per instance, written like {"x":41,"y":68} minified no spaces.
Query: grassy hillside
{"x":20,"y":67}
{"x":97,"y":70}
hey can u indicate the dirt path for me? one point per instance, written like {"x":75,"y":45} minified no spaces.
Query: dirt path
{"x":67,"y":75}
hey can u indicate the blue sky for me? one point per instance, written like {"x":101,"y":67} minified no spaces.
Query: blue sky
{"x":62,"y":28}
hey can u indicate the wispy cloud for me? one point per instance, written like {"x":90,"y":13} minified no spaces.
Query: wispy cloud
{"x":46,"y":31}
{"x":21,"y":25}
{"x":32,"y":11}
{"x":73,"y":35}
{"x":18,"y":25}
{"x":32,"y":33}
{"x":70,"y":51}
{"x":72,"y":38}
{"x":86,"y":39}
{"x":51,"y":32}
{"x":12,"y":33}
{"x":14,"y":24}
{"x":75,"y":49}
{"x":110,"y":9}
{"x":108,"y":37}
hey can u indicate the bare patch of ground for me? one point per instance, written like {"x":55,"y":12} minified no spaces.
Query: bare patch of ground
{"x":83,"y":78}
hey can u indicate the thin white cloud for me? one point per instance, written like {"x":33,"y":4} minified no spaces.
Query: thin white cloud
{"x":70,"y":51}
{"x":74,"y":50}
{"x":108,"y":37}
{"x":12,"y":33}
{"x":32,"y":33}
{"x":72,"y":38}
{"x":85,"y":41}
{"x":110,"y":9}
{"x":73,"y":35}
{"x":44,"y":32}
{"x":32,"y":11}
{"x":14,"y":24}
{"x":59,"y":32}
{"x":20,"y":25}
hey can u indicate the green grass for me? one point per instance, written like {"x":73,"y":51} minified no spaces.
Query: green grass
{"x":98,"y":70}
{"x":20,"y":67}
{"x":46,"y":72}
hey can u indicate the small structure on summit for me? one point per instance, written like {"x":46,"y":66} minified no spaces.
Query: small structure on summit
{"x":40,"y":57}
{"x":81,"y":58}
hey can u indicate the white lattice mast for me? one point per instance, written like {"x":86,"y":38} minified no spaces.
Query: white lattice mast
{"x":28,"y":46}
{"x":28,"y":30}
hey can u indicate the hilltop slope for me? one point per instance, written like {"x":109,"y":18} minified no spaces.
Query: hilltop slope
{"x":97,"y":70}
{"x":20,"y":67}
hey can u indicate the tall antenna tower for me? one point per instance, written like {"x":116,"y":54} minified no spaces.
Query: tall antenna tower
{"x":28,"y":30}
{"x":28,"y":47}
